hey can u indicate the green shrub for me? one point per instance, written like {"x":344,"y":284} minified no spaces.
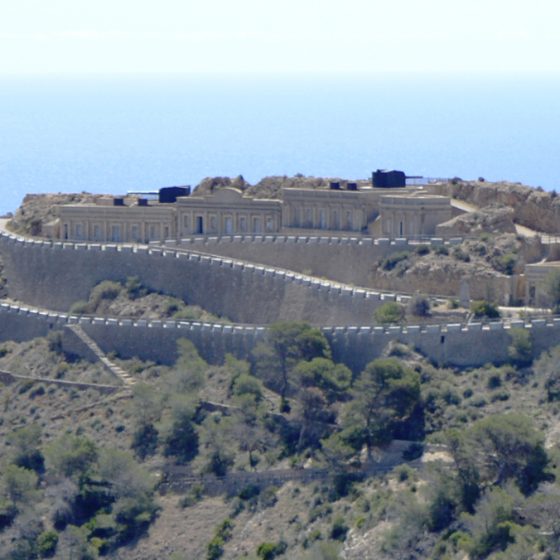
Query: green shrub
{"x":391,"y":261}
{"x":500,"y":396}
{"x":505,"y":263}
{"x":339,"y":530}
{"x":481,"y":308}
{"x":269,"y":551}
{"x":389,"y":313}
{"x":71,"y":456}
{"x":182,"y":441}
{"x":54,"y":342}
{"x":404,"y":473}
{"x":494,"y":381}
{"x":422,"y":250}
{"x":172,"y":306}
{"x":520,"y":351}
{"x":220,"y":461}
{"x":223,"y":534}
{"x":461,"y":255}
{"x":215,"y":548}
{"x":188,"y":313}
{"x":7,"y":512}
{"x":25,"y":443}
{"x":250,"y":491}
{"x":145,"y":440}
{"x":453,"y":304}
{"x":46,"y":544}
{"x":441,"y":250}
{"x":246,"y":384}
{"x":106,"y":290}
{"x":134,"y":288}
{"x":80,"y":307}
{"x":19,"y":485}
{"x":419,"y":306}
{"x":133,"y":516}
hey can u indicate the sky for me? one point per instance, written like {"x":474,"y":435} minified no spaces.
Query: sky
{"x":291,"y":36}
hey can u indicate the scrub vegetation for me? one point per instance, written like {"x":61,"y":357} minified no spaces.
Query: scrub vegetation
{"x":86,"y":475}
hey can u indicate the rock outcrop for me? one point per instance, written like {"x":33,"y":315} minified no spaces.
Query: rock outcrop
{"x":532,"y":207}
{"x":37,"y":210}
{"x":492,"y":219}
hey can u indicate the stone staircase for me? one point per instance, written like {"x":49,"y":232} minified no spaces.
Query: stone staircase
{"x":125,"y":378}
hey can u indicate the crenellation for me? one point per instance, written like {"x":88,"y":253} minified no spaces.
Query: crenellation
{"x":281,"y":289}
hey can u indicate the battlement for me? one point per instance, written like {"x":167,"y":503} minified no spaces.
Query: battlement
{"x":279,"y":293}
{"x":460,"y":344}
{"x":55,"y":274}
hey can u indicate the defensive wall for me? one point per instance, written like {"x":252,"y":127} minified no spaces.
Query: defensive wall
{"x":351,"y":260}
{"x":56,"y":274}
{"x":456,"y":344}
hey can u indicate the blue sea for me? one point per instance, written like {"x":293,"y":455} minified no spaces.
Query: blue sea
{"x":113,"y":134}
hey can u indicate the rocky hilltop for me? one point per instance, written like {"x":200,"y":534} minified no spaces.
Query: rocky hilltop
{"x":532,"y":207}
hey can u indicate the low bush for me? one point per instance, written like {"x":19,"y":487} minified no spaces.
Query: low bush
{"x":389,"y":313}
{"x":422,"y":250}
{"x":46,"y":544}
{"x":339,"y":530}
{"x":482,"y":308}
{"x":269,"y":551}
{"x":461,"y":255}
{"x":419,"y":306}
{"x":390,"y":262}
{"x":505,"y":263}
{"x":106,"y":290}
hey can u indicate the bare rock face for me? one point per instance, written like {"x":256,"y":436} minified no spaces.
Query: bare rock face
{"x":532,"y":207}
{"x":211,"y":184}
{"x":39,"y":209}
{"x":267,"y":187}
{"x":492,"y":219}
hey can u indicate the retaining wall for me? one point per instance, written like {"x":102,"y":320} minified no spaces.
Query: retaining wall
{"x":345,"y":259}
{"x":461,"y":345}
{"x":55,"y":275}
{"x":352,"y":260}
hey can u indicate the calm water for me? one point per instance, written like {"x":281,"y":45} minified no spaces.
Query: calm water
{"x":113,"y":135}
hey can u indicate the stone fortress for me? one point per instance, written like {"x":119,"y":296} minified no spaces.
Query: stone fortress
{"x":387,"y":207}
{"x":228,"y":273}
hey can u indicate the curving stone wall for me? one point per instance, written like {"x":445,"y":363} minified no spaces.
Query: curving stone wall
{"x":457,"y":344}
{"x":55,"y":275}
{"x":345,"y":259}
{"x":353,"y":260}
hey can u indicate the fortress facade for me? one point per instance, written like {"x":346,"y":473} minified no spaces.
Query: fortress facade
{"x":352,"y":209}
